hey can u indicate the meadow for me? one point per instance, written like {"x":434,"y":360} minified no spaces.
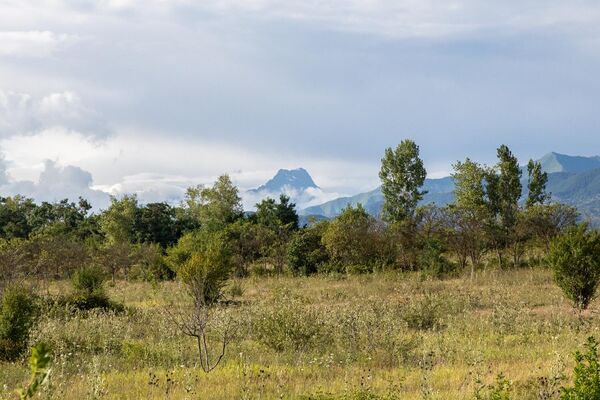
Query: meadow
{"x":379,"y":336}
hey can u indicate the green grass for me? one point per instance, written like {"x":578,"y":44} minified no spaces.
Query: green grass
{"x":387,"y":335}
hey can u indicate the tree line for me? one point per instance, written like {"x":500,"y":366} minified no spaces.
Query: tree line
{"x":492,"y":221}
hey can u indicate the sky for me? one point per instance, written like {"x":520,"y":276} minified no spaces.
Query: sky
{"x":150,"y":97}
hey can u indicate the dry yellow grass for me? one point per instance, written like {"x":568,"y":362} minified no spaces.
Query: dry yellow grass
{"x":386,"y":334}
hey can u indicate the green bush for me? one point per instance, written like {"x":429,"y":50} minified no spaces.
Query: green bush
{"x":289,"y":325}
{"x":432,"y":262}
{"x":586,"y":375}
{"x":204,"y":264}
{"x":88,"y":280}
{"x":499,"y":390}
{"x":424,"y":314}
{"x":575,"y":259}
{"x":88,"y":285}
{"x":17,"y":315}
{"x":306,"y":252}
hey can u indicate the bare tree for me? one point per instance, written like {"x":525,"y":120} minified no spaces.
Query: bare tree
{"x":204,"y":320}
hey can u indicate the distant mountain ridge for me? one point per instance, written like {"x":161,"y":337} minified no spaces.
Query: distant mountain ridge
{"x":573,"y":180}
{"x":555,"y":162}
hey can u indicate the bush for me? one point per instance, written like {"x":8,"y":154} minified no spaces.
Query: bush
{"x":89,"y":291}
{"x":575,"y":259}
{"x":151,"y":265}
{"x":88,"y":280}
{"x":289,"y":324}
{"x":424,"y":314}
{"x":16,"y":317}
{"x":306,"y":252}
{"x":432,"y":262}
{"x":206,"y":266}
{"x":587,"y":375}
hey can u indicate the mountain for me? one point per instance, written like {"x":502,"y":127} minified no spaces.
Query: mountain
{"x":287,"y":179}
{"x":439,"y":191}
{"x":555,"y":162}
{"x":572,"y":180}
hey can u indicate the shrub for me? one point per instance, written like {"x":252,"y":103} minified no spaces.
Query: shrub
{"x":586,"y":384}
{"x":208,"y":267}
{"x":39,"y":364}
{"x":575,"y":259}
{"x":88,"y":280}
{"x":16,"y":317}
{"x":499,"y":390}
{"x":424,"y":314}
{"x":151,"y":265}
{"x":289,"y":325}
{"x":432,"y":261}
{"x":306,"y":252}
{"x":89,"y":291}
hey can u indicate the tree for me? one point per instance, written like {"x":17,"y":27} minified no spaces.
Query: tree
{"x":575,"y":258}
{"x":508,"y":187}
{"x":350,"y":238}
{"x":469,"y":216}
{"x":15,"y":217}
{"x":537,"y":185}
{"x":402,"y":175}
{"x":156,"y":223}
{"x":204,"y":269}
{"x":118,"y":221}
{"x":219,"y":205}
{"x":286,"y":212}
{"x":17,"y":312}
{"x":469,"y":189}
{"x":306,"y":250}
{"x":203,"y":258}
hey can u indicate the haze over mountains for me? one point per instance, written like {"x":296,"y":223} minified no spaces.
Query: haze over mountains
{"x":573,"y":180}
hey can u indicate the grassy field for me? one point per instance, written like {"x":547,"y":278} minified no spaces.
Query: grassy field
{"x":390,"y":336}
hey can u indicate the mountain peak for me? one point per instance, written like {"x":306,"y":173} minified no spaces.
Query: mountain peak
{"x":298,"y":179}
{"x":556,"y":162}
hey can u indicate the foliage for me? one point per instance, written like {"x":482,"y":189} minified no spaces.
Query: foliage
{"x":424,"y":314}
{"x":575,"y":258}
{"x":586,"y":384}
{"x":151,"y":263}
{"x":17,"y":315}
{"x":214,"y":207}
{"x":88,"y":280}
{"x":350,"y":238}
{"x":538,"y":179}
{"x":402,"y":175}
{"x":274,"y":215}
{"x":118,"y":221}
{"x":499,"y":390}
{"x":39,"y":363}
{"x":306,"y":250}
{"x":156,"y":223}
{"x":204,"y":263}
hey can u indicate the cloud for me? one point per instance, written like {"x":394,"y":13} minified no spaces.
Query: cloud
{"x":34,"y":44}
{"x":54,"y":184}
{"x":25,"y":114}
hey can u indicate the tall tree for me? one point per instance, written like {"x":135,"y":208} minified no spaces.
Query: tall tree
{"x":469,"y":189}
{"x":508,"y":186}
{"x":286,"y":212}
{"x":221,"y":204}
{"x":156,"y":223}
{"x":118,"y":221}
{"x":402,"y":175}
{"x":537,"y":184}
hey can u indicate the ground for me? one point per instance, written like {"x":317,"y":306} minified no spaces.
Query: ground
{"x":389,"y":335}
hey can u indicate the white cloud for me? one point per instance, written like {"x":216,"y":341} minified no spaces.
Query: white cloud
{"x":35,"y":44}
{"x":24,"y":114}
{"x":55,"y":183}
